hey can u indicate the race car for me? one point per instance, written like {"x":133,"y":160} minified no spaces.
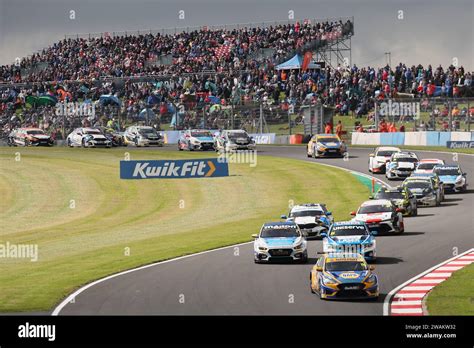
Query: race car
{"x":423,"y":189}
{"x":452,"y":177}
{"x":29,"y":137}
{"x":143,"y":136}
{"x":325,"y":145}
{"x":87,"y":137}
{"x":343,"y":276}
{"x":350,"y":237}
{"x":196,"y":139}
{"x":280,"y":241}
{"x":117,"y":138}
{"x":311,"y":218}
{"x":380,"y":157}
{"x":426,"y":166}
{"x":234,"y":140}
{"x":401,"y":165}
{"x":401,"y":197}
{"x":381,"y":216}
{"x":437,"y":183}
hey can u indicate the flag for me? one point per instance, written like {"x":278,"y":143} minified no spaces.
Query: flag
{"x":306,"y":60}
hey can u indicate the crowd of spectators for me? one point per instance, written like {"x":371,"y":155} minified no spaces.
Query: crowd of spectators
{"x":79,"y":70}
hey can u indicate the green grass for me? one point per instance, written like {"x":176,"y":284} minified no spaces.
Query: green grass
{"x":454,"y":296}
{"x":147,"y":217}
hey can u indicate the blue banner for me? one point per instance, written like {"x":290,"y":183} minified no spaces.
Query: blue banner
{"x":460,"y":144}
{"x":174,"y":169}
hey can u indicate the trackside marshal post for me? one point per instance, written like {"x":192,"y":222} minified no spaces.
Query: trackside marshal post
{"x":173,"y":169}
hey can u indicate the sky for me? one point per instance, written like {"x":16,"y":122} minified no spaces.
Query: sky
{"x":414,"y":31}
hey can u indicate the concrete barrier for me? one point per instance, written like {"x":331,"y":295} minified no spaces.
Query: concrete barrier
{"x":365,"y":138}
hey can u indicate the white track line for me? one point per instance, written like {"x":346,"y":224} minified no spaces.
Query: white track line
{"x":386,"y":303}
{"x":72,"y":297}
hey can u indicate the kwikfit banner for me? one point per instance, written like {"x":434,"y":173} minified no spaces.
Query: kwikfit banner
{"x":170,"y":169}
{"x":263,"y":138}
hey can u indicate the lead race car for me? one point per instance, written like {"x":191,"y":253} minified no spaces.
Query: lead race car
{"x":343,"y":276}
{"x":352,"y":237}
{"x":325,"y":145}
{"x":280,"y":241}
{"x":381,"y":216}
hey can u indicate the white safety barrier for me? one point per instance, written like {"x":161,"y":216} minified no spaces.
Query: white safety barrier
{"x":415,"y":138}
{"x":460,"y":136}
{"x":365,"y":138}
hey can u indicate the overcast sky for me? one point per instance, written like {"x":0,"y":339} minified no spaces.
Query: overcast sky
{"x":431,"y":31}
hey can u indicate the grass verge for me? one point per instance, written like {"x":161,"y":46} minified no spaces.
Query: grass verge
{"x":88,"y":223}
{"x":454,"y":296}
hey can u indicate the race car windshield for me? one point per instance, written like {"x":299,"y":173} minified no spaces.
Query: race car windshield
{"x":304,"y":213}
{"x":385,"y":153}
{"x":34,"y":132}
{"x":356,"y":230}
{"x":345,"y":266}
{"x":235,"y":136}
{"x":405,"y":159}
{"x":92,"y":132}
{"x":201,"y":134}
{"x":279,"y":233}
{"x":389,"y":195}
{"x":146,"y":131}
{"x":375,"y":209}
{"x":426,"y":165}
{"x":328,"y":140}
{"x":417,"y":184}
{"x":453,"y":171}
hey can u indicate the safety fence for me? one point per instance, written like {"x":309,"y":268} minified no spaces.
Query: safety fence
{"x":410,"y":138}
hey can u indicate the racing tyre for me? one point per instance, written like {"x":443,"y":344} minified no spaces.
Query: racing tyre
{"x":83,"y":142}
{"x":311,"y":282}
{"x":415,"y":212}
{"x":179,"y":146}
{"x":69,"y":142}
{"x":27,"y":142}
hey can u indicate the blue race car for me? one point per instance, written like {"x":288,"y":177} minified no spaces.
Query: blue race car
{"x":344,"y":276}
{"x":280,"y":241}
{"x":452,"y":177}
{"x":350,"y":237}
{"x":196,"y":139}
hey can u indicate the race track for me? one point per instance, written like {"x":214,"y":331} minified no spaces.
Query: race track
{"x":221,"y":282}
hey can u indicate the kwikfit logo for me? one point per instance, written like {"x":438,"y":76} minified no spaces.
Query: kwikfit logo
{"x":172,"y":169}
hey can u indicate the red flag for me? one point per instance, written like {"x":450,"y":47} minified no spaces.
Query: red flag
{"x":306,"y":60}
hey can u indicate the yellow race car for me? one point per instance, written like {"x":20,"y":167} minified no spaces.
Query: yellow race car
{"x":344,"y":276}
{"x":325,"y":145}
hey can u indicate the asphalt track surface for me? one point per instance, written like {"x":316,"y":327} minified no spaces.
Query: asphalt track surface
{"x":221,"y":283}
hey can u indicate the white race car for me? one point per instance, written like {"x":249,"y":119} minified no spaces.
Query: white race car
{"x":426,"y":166}
{"x":401,"y":165}
{"x":234,"y":140}
{"x":87,"y":137}
{"x":381,"y":216}
{"x":380,"y":157}
{"x":142,"y":136}
{"x":280,"y":241}
{"x":311,"y":218}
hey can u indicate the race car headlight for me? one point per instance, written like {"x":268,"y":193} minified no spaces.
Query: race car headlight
{"x":299,"y":246}
{"x":329,"y":281}
{"x":262,"y":248}
{"x":320,"y":146}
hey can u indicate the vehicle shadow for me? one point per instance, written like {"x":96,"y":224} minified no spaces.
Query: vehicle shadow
{"x":451,"y":200}
{"x":400,"y":235}
{"x":384,"y":260}
{"x":419,"y":215}
{"x":444,"y":204}
{"x":379,"y":299}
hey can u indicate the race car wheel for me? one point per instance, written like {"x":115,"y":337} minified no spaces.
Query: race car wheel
{"x":136,"y":142}
{"x":311,"y":283}
{"x":69,"y":142}
{"x":190,"y":148}
{"x":179,"y":146}
{"x":401,"y":228}
{"x":27,"y":142}
{"x":415,"y":212}
{"x":314,"y":153}
{"x":83,"y":142}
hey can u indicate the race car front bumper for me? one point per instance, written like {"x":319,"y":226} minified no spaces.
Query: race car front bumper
{"x":398,"y":174}
{"x":349,"y":291}
{"x":426,"y":201}
{"x":283,"y":254}
{"x":367,"y":249}
{"x":203,"y":146}
{"x":98,"y":143}
{"x":380,"y":226}
{"x":454,"y":187}
{"x":239,"y":147}
{"x":330,"y":153}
